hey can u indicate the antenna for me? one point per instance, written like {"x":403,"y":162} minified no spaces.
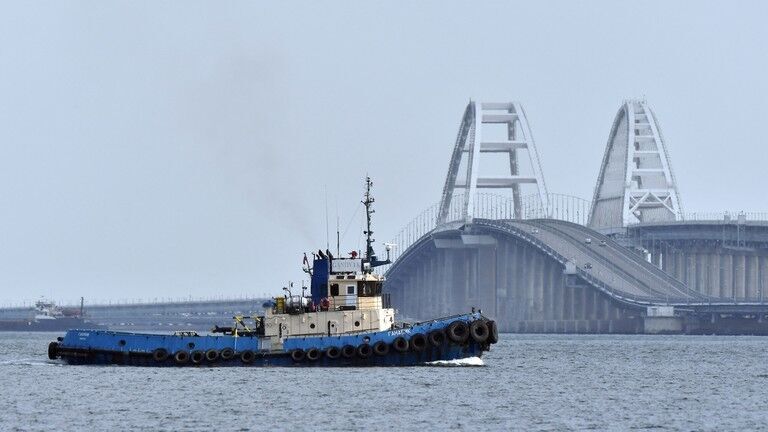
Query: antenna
{"x":326,"y":219}
{"x":388,"y":247}
{"x":338,"y":236}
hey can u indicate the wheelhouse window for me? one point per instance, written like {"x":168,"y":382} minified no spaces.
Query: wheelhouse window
{"x":369,"y":289}
{"x":350,"y":289}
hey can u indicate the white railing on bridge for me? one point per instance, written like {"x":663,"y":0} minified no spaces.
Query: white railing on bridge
{"x":727,"y":216}
{"x":491,"y":206}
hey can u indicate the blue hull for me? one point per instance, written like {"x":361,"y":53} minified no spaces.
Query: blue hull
{"x":102,"y":347}
{"x":281,"y":360}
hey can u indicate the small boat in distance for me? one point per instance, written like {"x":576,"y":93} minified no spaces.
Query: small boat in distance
{"x":48,"y":316}
{"x":345,"y":321}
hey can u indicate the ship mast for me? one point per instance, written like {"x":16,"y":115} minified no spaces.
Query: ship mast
{"x":370,"y":255}
{"x":368,"y":202}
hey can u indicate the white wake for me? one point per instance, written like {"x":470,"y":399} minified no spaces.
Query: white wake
{"x":23,"y":362}
{"x":469,"y":361}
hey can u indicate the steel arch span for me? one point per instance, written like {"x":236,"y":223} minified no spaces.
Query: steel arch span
{"x":636,"y":183}
{"x":496,"y":128}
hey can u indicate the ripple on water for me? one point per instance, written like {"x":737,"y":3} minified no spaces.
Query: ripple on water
{"x":530,"y":382}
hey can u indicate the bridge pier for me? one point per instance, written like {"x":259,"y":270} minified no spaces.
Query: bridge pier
{"x":713,"y":287}
{"x":486,"y":280}
{"x":663,"y":325}
{"x":680,"y":266}
{"x":751,"y":269}
{"x":666,"y":259}
{"x":725,"y":258}
{"x":763,"y":277}
{"x":550,"y":275}
{"x":726,"y":275}
{"x":447,"y":279}
{"x":739,"y":272}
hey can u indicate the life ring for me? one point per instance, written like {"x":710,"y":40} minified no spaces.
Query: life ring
{"x":160,"y":355}
{"x":436,"y":337}
{"x":364,"y":351}
{"x":181,"y":357}
{"x":458,"y":332}
{"x":479,"y":331}
{"x":53,"y":350}
{"x":298,"y":355}
{"x":493,"y":331}
{"x":418,"y":342}
{"x":247,"y":356}
{"x":400,"y":344}
{"x":381,"y":348}
{"x":313,"y":354}
{"x":333,"y":352}
{"x":227,"y":354}
{"x":325,"y":304}
{"x":197,"y":357}
{"x":348,"y":351}
{"x":211,"y":355}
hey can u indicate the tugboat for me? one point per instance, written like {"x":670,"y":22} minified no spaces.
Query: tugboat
{"x":345,"y":321}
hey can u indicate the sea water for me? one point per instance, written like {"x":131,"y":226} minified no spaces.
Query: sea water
{"x":526,"y":382}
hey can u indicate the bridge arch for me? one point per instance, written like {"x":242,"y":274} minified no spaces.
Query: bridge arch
{"x":533,"y":264}
{"x":636,"y":182}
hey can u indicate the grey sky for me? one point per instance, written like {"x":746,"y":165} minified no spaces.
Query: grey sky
{"x":167,"y":149}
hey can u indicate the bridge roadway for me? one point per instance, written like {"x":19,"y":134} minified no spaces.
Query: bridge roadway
{"x":653,"y":282}
{"x":613,"y":269}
